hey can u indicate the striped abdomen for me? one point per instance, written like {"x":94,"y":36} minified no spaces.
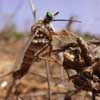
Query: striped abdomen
{"x":27,"y":60}
{"x":36,"y":42}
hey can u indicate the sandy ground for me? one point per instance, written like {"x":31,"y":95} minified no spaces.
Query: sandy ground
{"x":33,"y":86}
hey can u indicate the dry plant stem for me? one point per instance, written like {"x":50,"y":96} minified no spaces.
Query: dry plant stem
{"x":69,"y":94}
{"x":39,"y":75}
{"x":93,"y":95}
{"x":32,"y":9}
{"x":62,"y":74}
{"x":95,"y":42}
{"x":48,"y":79}
{"x":10,"y":89}
{"x":61,"y":68}
{"x":64,"y":48}
{"x":84,"y":51}
{"x":51,"y":59}
{"x":68,"y":74}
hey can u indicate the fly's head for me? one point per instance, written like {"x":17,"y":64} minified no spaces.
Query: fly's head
{"x":42,"y":29}
{"x":49,"y":17}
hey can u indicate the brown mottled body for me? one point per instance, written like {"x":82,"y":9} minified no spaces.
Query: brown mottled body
{"x":39,"y":40}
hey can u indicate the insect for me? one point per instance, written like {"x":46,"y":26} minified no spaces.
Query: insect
{"x":39,"y":41}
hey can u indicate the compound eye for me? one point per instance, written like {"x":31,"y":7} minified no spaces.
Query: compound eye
{"x":49,"y":16}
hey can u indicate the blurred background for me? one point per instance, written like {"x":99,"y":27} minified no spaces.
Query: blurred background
{"x":16,"y":19}
{"x":17,"y":14}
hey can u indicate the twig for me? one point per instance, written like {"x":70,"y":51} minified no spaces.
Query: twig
{"x":39,"y":75}
{"x":95,"y":42}
{"x":33,"y":9}
{"x":10,"y":89}
{"x":48,"y":79}
{"x":93,"y":95}
{"x":69,"y":94}
{"x":51,"y":59}
{"x":65,"y":47}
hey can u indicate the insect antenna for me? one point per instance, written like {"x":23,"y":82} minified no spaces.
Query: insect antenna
{"x":56,"y":13}
{"x":66,"y":20}
{"x":70,"y":20}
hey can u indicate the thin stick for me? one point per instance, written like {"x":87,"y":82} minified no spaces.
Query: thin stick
{"x":69,"y":94}
{"x":62,"y":75}
{"x":48,"y":78}
{"x":10,"y":89}
{"x":68,"y":74}
{"x":50,"y":59}
{"x":93,"y":95}
{"x":33,"y":9}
